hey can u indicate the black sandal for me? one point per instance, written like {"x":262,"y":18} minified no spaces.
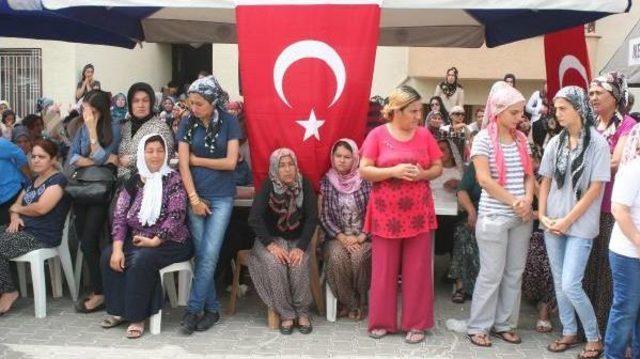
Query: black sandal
{"x":458,"y":296}
{"x":561,"y":346}
{"x":501,"y":335}
{"x":111,"y":321}
{"x":474,"y":341}
{"x":286,"y":330}
{"x":598,"y":353}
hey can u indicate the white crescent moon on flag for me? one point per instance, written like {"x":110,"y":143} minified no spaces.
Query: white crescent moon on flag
{"x":572,"y":62}
{"x":309,"y":49}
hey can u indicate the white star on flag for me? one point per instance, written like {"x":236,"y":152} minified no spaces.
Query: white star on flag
{"x":311,"y":126}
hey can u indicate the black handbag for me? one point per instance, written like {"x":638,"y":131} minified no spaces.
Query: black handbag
{"x":92,"y":184}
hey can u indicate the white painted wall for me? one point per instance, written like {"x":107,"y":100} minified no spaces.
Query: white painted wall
{"x":58,"y":58}
{"x":225,"y":68}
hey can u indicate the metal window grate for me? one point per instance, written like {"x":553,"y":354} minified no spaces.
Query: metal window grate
{"x":21,"y":78}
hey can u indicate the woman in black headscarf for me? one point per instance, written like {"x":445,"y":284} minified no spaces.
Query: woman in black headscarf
{"x":144,"y":121}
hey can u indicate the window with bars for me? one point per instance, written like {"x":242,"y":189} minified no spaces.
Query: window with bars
{"x":21,"y":78}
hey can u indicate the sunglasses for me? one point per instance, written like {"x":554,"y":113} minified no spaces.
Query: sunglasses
{"x":180,"y":106}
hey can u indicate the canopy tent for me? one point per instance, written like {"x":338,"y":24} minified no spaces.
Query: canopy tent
{"x":27,"y":19}
{"x":627,"y":58}
{"x":429,"y":23}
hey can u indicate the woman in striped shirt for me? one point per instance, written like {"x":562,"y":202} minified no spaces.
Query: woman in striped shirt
{"x":500,"y":155}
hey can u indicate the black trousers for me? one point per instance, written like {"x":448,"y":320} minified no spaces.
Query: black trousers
{"x":5,"y":218}
{"x":444,"y":234}
{"x":90,"y":227}
{"x":136,"y":293}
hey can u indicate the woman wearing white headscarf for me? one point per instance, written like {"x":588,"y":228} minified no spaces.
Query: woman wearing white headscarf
{"x":149,"y":233}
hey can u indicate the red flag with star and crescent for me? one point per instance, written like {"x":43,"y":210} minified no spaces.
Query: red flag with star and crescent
{"x":306,"y":73}
{"x":567,"y":60}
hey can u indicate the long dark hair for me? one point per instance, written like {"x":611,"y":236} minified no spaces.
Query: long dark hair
{"x":443,"y":110}
{"x":84,"y":69}
{"x":101,"y":101}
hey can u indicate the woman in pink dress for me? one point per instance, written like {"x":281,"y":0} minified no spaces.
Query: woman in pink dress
{"x":400,"y":158}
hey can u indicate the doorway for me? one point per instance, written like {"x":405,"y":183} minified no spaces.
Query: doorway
{"x":188,"y":60}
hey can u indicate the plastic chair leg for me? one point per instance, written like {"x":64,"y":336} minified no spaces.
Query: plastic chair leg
{"x":332,"y":304}
{"x":39,"y":289}
{"x":170,"y":287}
{"x":184,"y":286}
{"x":55,"y":273}
{"x":67,"y":267}
{"x":155,"y":323}
{"x":22,"y":278}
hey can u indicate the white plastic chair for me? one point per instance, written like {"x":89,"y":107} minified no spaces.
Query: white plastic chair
{"x":56,"y":256}
{"x":332,"y":304}
{"x":185,"y":275}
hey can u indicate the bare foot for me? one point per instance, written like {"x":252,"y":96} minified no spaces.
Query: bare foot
{"x":304,"y":321}
{"x":94,"y":301}
{"x":7,"y":300}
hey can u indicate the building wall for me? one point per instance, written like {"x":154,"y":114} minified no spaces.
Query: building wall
{"x":118,"y":68}
{"x":58,"y":72}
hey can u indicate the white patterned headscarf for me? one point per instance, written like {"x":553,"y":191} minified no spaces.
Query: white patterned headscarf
{"x":152,"y":191}
{"x":632,"y":146}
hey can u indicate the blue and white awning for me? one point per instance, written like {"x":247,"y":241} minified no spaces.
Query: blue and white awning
{"x":435,"y":23}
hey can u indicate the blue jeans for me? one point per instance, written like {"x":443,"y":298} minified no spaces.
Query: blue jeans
{"x":208,"y":235}
{"x":624,"y":318}
{"x":568,"y":258}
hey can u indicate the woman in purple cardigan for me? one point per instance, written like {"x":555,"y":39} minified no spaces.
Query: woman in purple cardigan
{"x":149,"y":233}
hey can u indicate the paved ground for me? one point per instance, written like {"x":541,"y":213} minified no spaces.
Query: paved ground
{"x":65,"y":334}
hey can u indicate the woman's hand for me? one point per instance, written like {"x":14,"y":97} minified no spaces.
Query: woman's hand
{"x":295,"y":257}
{"x":117,"y":260}
{"x":522,"y":207}
{"x":451,"y":185}
{"x":142,"y":241}
{"x":281,"y":255}
{"x":193,"y":160}
{"x":124,"y":160}
{"x":547,"y":222}
{"x":201,"y":209}
{"x":560,"y":226}
{"x":15,"y":224}
{"x":472,"y":219}
{"x":405,"y":171}
{"x":89,"y":118}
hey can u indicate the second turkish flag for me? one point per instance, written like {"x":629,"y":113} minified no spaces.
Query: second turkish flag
{"x":567,"y":60}
{"x":306,"y":73}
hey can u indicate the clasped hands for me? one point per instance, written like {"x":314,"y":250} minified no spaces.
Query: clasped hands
{"x":292,"y":257}
{"x":523,"y":209}
{"x":407,"y":171}
{"x":351,"y":242}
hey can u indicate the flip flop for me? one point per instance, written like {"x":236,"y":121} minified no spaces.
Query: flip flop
{"x":411,"y":333}
{"x":111,"y":322}
{"x":501,"y":335}
{"x":381,"y":334}
{"x":135,"y":332}
{"x":598,"y":353}
{"x":564,"y":346}
{"x":473,"y":341}
{"x":543,"y":326}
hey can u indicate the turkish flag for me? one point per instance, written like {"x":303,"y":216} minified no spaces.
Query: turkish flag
{"x":306,"y":73}
{"x":567,"y":60}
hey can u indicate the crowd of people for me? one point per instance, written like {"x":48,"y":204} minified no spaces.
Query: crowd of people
{"x":538,"y":198}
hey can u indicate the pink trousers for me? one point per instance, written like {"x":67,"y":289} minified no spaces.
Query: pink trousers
{"x":413,"y":256}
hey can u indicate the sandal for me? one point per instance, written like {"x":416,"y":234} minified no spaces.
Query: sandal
{"x":596,"y":353}
{"x":558,"y":346}
{"x":502,"y":335}
{"x":458,"y":296}
{"x":409,"y":339}
{"x":473,"y":338}
{"x":378,"y":333}
{"x":286,"y":329}
{"x":543,"y":326}
{"x":134,"y":332}
{"x":82,"y":308}
{"x":111,"y":321}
